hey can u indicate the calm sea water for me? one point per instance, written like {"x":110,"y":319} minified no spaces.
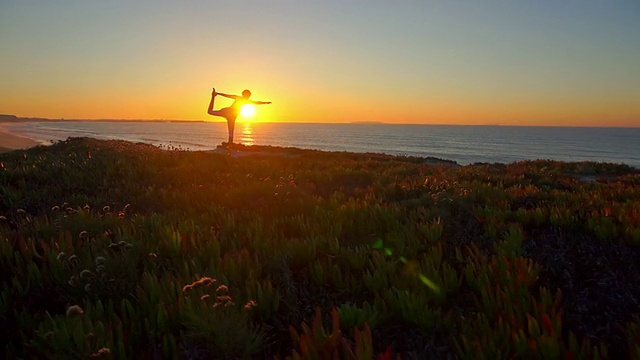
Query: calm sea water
{"x":463,"y":144}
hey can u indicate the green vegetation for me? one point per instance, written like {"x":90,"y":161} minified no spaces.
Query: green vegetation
{"x":110,"y":249}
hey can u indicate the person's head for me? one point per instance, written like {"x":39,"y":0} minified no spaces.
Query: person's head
{"x":246,"y":94}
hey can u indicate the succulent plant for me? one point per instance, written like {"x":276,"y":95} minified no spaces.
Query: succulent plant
{"x":489,"y":260}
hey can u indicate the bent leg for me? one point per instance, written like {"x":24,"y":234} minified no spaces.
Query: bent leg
{"x":210,"y":111}
{"x":216,"y":113}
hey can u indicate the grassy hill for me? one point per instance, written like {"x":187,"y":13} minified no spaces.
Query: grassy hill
{"x":110,"y":249}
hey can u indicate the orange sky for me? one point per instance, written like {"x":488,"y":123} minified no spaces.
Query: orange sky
{"x":440,"y":63}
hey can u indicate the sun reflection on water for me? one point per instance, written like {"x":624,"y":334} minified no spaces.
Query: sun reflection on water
{"x":247,"y":134}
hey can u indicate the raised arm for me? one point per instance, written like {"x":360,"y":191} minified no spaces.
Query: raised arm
{"x":234,"y":97}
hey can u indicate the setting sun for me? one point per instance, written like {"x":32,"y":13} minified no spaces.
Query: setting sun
{"x":248,"y":110}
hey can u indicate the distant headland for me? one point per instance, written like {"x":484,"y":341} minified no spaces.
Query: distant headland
{"x":14,"y":118}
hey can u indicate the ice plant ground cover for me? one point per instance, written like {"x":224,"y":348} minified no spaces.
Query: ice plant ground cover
{"x":110,"y":249}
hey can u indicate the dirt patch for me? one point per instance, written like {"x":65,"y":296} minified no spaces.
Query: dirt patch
{"x":594,"y":178}
{"x":441,"y":162}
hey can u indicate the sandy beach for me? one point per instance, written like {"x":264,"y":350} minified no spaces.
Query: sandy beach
{"x":10,"y":142}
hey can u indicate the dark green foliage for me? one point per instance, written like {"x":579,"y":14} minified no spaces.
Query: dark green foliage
{"x":110,"y":249}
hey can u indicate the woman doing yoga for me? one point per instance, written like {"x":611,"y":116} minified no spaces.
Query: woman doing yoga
{"x":231,"y":113}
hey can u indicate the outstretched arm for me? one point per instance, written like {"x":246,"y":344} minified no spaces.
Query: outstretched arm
{"x":260,"y":102}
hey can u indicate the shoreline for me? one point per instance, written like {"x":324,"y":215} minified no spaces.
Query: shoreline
{"x":11,"y":142}
{"x":164,"y":138}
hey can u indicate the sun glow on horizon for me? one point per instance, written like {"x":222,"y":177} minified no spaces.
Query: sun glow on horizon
{"x":248,"y":110}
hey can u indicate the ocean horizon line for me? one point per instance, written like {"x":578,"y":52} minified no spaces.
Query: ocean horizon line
{"x":5,"y":118}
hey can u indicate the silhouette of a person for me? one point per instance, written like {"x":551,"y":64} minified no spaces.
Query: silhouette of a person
{"x":231,"y":113}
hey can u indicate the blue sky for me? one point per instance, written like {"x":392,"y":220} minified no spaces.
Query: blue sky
{"x":533,"y":63}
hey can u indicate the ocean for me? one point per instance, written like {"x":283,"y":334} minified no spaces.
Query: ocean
{"x":463,"y":144}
